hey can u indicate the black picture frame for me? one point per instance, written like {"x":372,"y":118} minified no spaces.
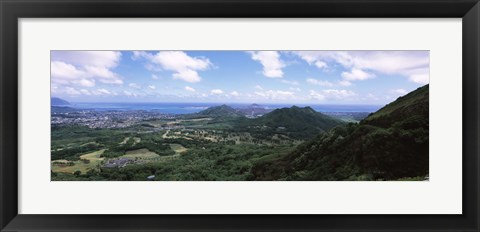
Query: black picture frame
{"x":12,"y":10}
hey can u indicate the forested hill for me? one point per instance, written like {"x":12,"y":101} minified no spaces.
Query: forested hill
{"x":389,"y":144}
{"x":220,"y":111}
{"x":295,"y":122}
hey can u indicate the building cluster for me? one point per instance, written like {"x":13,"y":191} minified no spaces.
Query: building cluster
{"x":105,"y":119}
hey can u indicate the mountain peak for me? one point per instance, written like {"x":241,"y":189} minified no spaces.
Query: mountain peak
{"x":299,"y":122}
{"x":55,"y":101}
{"x":220,"y":111}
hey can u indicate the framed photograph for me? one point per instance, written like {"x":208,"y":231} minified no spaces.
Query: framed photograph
{"x":239,"y":116}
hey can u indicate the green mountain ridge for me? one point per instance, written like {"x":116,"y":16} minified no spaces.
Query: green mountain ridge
{"x":220,"y":111}
{"x":389,"y":144}
{"x":295,"y":122}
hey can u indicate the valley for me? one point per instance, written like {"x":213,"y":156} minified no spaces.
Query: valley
{"x":238,"y":144}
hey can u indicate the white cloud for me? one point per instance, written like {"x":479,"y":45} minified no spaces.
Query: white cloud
{"x":190,"y":89}
{"x":85,"y":92}
{"x":338,"y":94}
{"x":62,"y":71}
{"x":187,"y":75}
{"x":258,"y":87}
{"x":276,"y":94}
{"x":129,"y":94}
{"x":152,"y":87}
{"x":75,"y":92}
{"x":345,"y":83}
{"x":154,"y":77}
{"x":290,"y":82}
{"x":412,"y":64}
{"x":319,"y":82}
{"x":72,"y":91}
{"x":357,"y":74}
{"x":216,"y":91}
{"x":183,"y":66}
{"x":295,"y":89}
{"x":317,"y":96}
{"x":420,"y":78}
{"x":85,"y":82}
{"x":270,"y":60}
{"x":321,"y":64}
{"x":84,"y":67}
{"x":104,"y":91}
{"x":399,"y":91}
{"x":234,"y":93}
{"x":137,"y":54}
{"x":135,"y":85}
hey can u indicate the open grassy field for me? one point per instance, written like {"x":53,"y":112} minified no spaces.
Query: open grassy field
{"x":93,"y":158}
{"x":177,"y":148}
{"x":141,"y":154}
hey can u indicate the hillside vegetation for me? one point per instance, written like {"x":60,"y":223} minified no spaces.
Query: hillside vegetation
{"x":294,"y":122}
{"x":389,"y":144}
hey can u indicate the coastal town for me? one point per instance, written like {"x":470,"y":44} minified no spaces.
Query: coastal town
{"x":103,"y":119}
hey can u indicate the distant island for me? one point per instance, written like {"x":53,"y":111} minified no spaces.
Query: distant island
{"x":247,"y":142}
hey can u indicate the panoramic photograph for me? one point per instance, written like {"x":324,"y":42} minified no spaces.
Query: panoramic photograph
{"x":239,"y":115}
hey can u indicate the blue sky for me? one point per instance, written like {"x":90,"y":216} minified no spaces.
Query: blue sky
{"x":297,"y":77}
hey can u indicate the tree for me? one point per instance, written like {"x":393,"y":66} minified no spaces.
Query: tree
{"x":77,"y":173}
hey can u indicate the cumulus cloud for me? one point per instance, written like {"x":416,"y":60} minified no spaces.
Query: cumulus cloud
{"x":357,"y":74}
{"x":345,"y":83}
{"x":104,"y":91}
{"x":319,"y":82}
{"x":258,"y":87}
{"x":290,"y":82}
{"x":154,"y":77}
{"x":412,"y":64}
{"x":399,"y":91}
{"x":316,"y":95}
{"x":271,"y":62}
{"x":72,"y":91}
{"x":331,"y":94}
{"x":129,"y":94}
{"x":420,"y":77}
{"x":85,"y":82}
{"x":63,"y":72}
{"x":183,"y":66}
{"x":276,"y":94}
{"x":85,"y":92}
{"x":321,"y":64}
{"x":216,"y":92}
{"x":135,"y":85}
{"x":84,"y":67}
{"x":338,"y":94}
{"x":152,"y":87}
{"x":190,"y":89}
{"x":234,"y":93}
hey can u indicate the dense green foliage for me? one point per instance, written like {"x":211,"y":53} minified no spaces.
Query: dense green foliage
{"x":218,"y":162}
{"x":220,"y":144}
{"x":74,"y":153}
{"x":222,"y":111}
{"x":294,"y":122}
{"x":390,"y":144}
{"x":146,"y":142}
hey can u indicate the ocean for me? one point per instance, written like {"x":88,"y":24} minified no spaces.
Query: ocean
{"x":188,"y":108}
